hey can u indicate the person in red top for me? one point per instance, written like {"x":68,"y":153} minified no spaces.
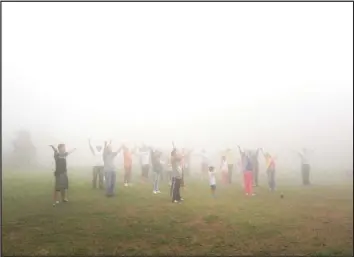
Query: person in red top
{"x":128,"y":164}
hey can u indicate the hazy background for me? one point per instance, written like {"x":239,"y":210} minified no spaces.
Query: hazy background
{"x":272,"y":75}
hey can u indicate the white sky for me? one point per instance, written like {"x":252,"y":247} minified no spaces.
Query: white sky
{"x":203,"y":74}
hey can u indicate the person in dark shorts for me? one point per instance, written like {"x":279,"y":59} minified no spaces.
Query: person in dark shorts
{"x":305,"y":167}
{"x":98,"y":166}
{"x":60,"y":173}
{"x":255,"y":165}
{"x":176,"y":176}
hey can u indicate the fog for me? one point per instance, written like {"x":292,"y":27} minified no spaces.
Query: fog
{"x":204,"y":75}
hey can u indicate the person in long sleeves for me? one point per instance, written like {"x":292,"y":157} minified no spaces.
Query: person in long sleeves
{"x":109,"y":168}
{"x":98,"y":166}
{"x":270,"y":164}
{"x":60,"y":173}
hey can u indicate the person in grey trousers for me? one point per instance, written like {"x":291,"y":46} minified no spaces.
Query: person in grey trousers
{"x":157,"y":169}
{"x":109,"y":168}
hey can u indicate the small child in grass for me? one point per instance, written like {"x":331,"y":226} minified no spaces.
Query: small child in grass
{"x":212,"y":180}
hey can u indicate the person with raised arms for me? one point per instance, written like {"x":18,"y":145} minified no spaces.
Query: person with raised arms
{"x":109,"y":168}
{"x":247,"y":171}
{"x":128,"y":164}
{"x":144,"y":154}
{"x":270,"y":165}
{"x":176,"y":176}
{"x":60,"y":173}
{"x":156,"y":168}
{"x":98,"y":166}
{"x":305,"y":166}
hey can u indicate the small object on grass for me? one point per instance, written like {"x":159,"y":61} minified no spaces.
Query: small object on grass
{"x":281,"y":196}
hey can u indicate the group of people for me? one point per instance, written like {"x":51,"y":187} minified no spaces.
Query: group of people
{"x":173,"y":167}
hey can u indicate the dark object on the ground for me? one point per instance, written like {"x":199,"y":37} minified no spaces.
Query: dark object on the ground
{"x":282,"y":196}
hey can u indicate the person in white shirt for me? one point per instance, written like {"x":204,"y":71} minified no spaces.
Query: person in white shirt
{"x":224,"y":170}
{"x":144,"y":153}
{"x":212,"y":180}
{"x":98,"y":166}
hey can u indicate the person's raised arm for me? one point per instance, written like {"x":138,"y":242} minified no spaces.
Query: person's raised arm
{"x":118,"y":151}
{"x":240,"y":150}
{"x":91,"y":148}
{"x":261,"y":149}
{"x":71,"y":151}
{"x":54,"y":149}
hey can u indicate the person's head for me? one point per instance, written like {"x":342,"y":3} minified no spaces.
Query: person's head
{"x":267,"y":155}
{"x":211,"y":168}
{"x":98,"y":148}
{"x":61,"y":148}
{"x":109,"y":149}
{"x":223,"y":158}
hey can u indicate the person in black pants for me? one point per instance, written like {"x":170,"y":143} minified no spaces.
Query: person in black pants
{"x":176,"y":176}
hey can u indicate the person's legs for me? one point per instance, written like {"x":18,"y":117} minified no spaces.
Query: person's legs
{"x":94,"y":176}
{"x":231,"y":166}
{"x":113,"y":182}
{"x":249,"y":181}
{"x":173,"y":189}
{"x":255,"y":174}
{"x":307,"y":174}
{"x":178,"y":189}
{"x":129,"y":178}
{"x":272,"y":179}
{"x":100,"y":177}
{"x":245,"y":182}
{"x":155,"y":183}
{"x":213,"y":188}
{"x":158,"y":182}
{"x":303,"y":176}
{"x":125,"y":176}
{"x":108,"y":182}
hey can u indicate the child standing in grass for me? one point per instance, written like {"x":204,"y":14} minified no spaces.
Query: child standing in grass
{"x":60,"y":173}
{"x":212,"y":180}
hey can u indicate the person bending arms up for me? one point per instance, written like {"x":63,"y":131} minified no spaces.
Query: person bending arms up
{"x":60,"y":173}
{"x":109,"y":168}
{"x":98,"y":167}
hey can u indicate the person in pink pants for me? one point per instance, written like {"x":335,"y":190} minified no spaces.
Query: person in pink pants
{"x":247,"y":172}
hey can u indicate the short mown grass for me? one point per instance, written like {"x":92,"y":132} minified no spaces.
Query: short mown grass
{"x":316,"y":220}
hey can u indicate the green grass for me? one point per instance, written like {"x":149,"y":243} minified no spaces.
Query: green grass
{"x":316,"y":220}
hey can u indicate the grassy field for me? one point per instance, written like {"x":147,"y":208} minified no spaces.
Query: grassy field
{"x":316,"y":220}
